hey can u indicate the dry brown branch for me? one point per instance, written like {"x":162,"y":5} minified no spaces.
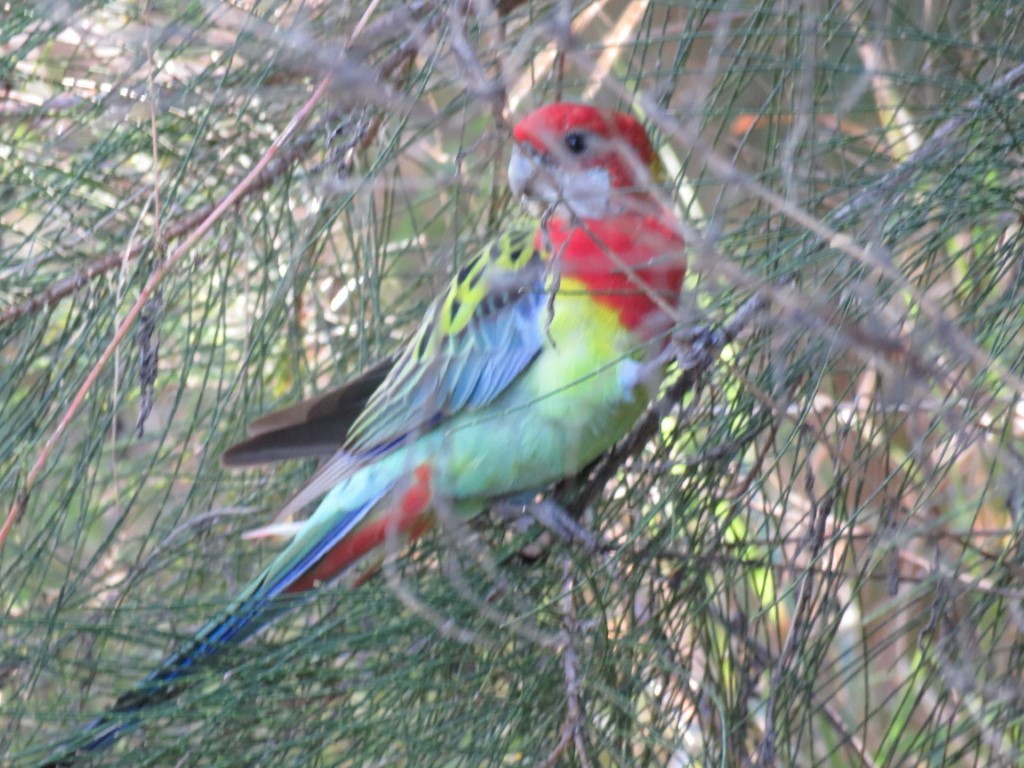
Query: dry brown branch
{"x":145,"y":294}
{"x":183,"y":226}
{"x":571,"y":731}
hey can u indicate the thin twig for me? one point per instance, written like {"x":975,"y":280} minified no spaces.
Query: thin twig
{"x":251,"y":182}
{"x":187,"y":223}
{"x":828,"y":232}
{"x":383,"y":26}
{"x":572,"y":727}
{"x":898,"y":179}
{"x":799,"y":628}
{"x":151,"y":285}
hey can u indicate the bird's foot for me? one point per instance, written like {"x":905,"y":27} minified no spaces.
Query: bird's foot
{"x":698,"y":347}
{"x":690,"y":348}
{"x":551,"y":516}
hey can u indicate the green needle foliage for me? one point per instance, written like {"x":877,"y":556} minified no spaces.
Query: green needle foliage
{"x":816,"y":561}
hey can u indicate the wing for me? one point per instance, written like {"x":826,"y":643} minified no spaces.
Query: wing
{"x":313,"y":429}
{"x":474,"y":341}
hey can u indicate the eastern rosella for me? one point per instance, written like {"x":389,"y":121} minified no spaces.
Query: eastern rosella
{"x":540,"y":355}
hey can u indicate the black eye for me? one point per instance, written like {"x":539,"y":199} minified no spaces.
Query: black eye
{"x":575,"y":142}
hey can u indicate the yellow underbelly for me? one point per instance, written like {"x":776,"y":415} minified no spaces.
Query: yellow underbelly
{"x":576,"y":400}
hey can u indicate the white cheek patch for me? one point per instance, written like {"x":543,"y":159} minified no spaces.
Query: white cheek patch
{"x":523,"y":173}
{"x":586,"y":192}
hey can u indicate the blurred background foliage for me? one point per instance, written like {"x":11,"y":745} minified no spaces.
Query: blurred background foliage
{"x":816,"y":562}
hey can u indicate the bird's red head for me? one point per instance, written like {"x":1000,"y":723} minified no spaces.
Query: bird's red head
{"x":617,"y":239}
{"x":589,"y":158}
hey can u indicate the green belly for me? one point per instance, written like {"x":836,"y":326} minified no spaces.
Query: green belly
{"x":573,"y":403}
{"x":576,"y":399}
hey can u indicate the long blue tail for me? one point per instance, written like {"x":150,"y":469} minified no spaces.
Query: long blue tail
{"x":254,"y":609}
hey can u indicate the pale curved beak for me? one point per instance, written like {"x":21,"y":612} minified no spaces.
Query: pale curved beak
{"x":586,"y":192}
{"x":523,"y":170}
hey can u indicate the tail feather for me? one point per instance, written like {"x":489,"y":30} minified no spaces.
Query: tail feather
{"x":254,"y":609}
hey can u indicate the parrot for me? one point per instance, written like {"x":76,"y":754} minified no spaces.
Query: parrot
{"x":542,"y":352}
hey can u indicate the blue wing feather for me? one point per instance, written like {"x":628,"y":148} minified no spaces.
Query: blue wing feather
{"x":443,"y":372}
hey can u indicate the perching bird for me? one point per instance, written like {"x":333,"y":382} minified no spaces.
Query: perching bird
{"x":540,"y":355}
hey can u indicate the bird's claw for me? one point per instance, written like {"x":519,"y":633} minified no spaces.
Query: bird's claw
{"x":698,"y":347}
{"x":552,"y":517}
